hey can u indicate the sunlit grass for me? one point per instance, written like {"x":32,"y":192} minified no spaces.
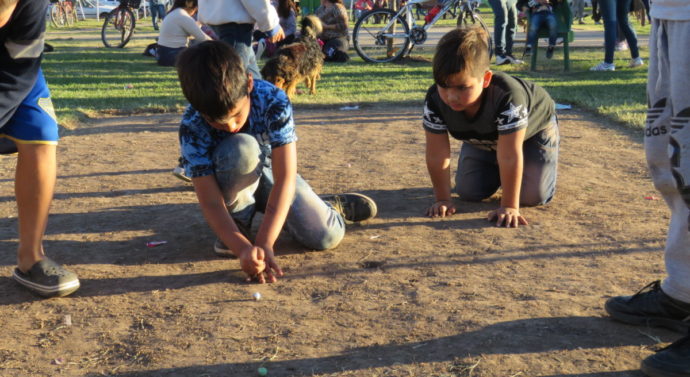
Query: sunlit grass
{"x":88,"y":79}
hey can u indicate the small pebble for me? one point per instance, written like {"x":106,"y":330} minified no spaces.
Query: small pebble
{"x":257,"y":296}
{"x":67,"y":320}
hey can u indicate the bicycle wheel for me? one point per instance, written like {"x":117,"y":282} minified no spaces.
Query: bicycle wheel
{"x":468,"y":18}
{"x":379,"y":36}
{"x":117,"y":28}
{"x":57,"y":15}
{"x":70,"y":13}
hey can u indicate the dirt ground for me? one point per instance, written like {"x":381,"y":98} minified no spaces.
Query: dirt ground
{"x":403,"y":295}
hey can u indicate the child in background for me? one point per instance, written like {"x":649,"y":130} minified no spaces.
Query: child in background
{"x":541,"y":12}
{"x":508,"y":127}
{"x":237,"y":140}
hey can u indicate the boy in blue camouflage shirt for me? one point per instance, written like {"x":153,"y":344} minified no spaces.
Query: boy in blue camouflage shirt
{"x":237,"y":140}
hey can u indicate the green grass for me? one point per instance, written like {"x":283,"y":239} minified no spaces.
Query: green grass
{"x":88,"y":80}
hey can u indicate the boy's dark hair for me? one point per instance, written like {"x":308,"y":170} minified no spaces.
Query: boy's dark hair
{"x":190,"y":4}
{"x":461,"y":50}
{"x":213,"y":78}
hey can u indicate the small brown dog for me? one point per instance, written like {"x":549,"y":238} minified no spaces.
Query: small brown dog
{"x":299,"y":61}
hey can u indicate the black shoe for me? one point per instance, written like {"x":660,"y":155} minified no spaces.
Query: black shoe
{"x":671,"y":361}
{"x":48,"y":279}
{"x":549,"y":52}
{"x":353,"y":207}
{"x":528,"y":51}
{"x":651,"y":307}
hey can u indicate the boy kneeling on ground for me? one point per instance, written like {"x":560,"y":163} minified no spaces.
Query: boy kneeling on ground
{"x":508,"y":127}
{"x":237,"y":140}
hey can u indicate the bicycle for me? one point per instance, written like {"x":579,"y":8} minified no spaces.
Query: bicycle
{"x":62,"y":12}
{"x":382,"y":35}
{"x":119,"y":24}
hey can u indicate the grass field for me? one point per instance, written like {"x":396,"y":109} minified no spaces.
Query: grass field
{"x":87,"y":79}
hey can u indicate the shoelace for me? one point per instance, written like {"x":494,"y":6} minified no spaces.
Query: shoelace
{"x":654,"y":286}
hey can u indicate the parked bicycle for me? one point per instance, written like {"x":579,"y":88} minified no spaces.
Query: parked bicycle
{"x":62,"y":13}
{"x":382,"y":35}
{"x":119,"y":24}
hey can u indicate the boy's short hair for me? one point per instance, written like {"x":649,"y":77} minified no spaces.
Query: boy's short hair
{"x":461,"y":50}
{"x":213,"y":78}
{"x":6,"y":3}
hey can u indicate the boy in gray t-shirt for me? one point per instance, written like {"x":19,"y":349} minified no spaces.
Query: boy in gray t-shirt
{"x":508,"y":127}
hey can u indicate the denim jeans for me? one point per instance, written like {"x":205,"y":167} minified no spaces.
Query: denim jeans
{"x":478,"y":176}
{"x":615,"y":13}
{"x":244,"y":175}
{"x":535,"y":23}
{"x":239,"y":36}
{"x":505,"y":21}
{"x":166,"y":56}
{"x":156,"y":10}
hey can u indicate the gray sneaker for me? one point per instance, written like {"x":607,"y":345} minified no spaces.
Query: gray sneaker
{"x":48,"y":279}
{"x":352,"y":206}
{"x":223,"y":251}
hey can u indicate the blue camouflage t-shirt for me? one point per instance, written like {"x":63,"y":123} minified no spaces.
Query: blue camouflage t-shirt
{"x":270,"y":122}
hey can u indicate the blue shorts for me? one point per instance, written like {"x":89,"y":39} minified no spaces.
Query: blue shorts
{"x":34,"y":121}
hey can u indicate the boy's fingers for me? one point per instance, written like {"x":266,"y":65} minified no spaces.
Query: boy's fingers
{"x":523,"y":220}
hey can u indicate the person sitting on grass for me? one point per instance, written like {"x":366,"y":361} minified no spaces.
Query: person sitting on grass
{"x":237,"y":140}
{"x":176,"y":29}
{"x":508,"y":127}
{"x":28,"y":127}
{"x":541,"y":13}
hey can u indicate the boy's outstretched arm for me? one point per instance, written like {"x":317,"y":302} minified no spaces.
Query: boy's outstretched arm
{"x":213,"y":207}
{"x":284,"y":166}
{"x":438,"y":164}
{"x":510,"y":165}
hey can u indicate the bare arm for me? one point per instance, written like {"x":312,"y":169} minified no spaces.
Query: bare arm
{"x":284,"y":160}
{"x":510,"y":165}
{"x":438,"y":165}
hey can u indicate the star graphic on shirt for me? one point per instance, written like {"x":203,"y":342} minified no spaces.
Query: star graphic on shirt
{"x":513,"y":112}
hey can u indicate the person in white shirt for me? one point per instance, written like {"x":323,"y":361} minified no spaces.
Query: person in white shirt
{"x":176,"y":30}
{"x":233,"y":21}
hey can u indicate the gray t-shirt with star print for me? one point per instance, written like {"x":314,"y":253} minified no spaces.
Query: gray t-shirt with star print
{"x":508,"y":104}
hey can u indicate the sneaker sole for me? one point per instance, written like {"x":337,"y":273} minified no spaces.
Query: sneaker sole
{"x":372,"y":204}
{"x":671,"y":324}
{"x":60,"y":290}
{"x":182,"y":177}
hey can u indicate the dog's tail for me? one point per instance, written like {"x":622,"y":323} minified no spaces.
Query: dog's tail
{"x":311,"y":26}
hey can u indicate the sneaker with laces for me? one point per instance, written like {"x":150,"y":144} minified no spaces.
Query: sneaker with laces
{"x":670,"y":361}
{"x":352,"y":206}
{"x":603,"y":66}
{"x":637,"y":62}
{"x":650,"y":306}
{"x":47,"y":278}
{"x":549,"y":52}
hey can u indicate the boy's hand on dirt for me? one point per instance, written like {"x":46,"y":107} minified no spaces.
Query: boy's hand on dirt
{"x":508,"y":217}
{"x":441,"y":208}
{"x":252,"y":262}
{"x":277,"y":37}
{"x":272,"y":270}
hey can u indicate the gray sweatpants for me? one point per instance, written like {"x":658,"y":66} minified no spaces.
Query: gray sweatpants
{"x":667,"y":143}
